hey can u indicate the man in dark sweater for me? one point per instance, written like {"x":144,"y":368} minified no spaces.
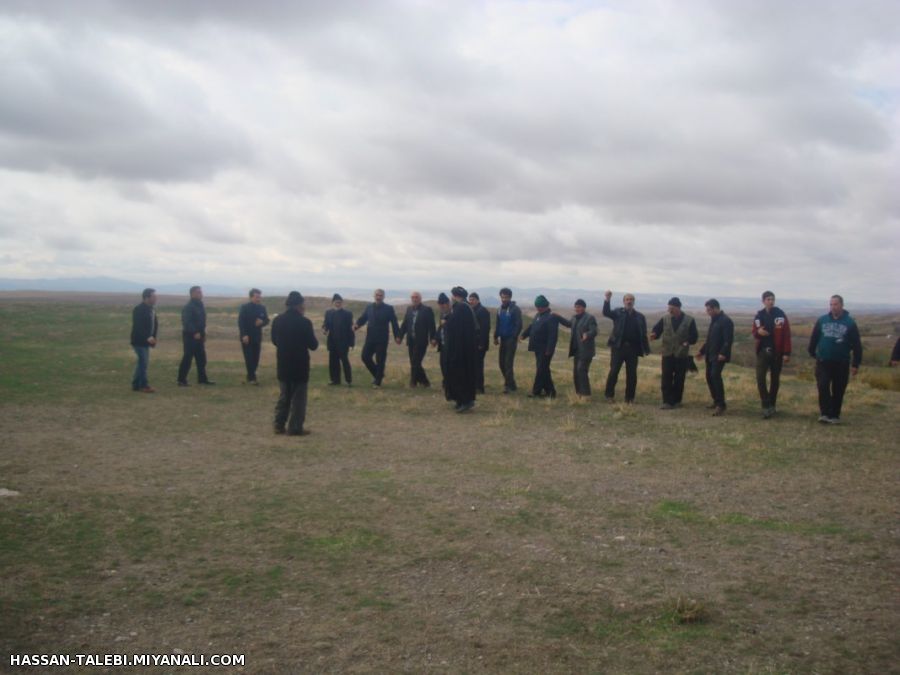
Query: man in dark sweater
{"x":678,"y":332}
{"x":193,"y":337}
{"x":772,"y":332}
{"x":627,"y":343}
{"x":542,"y":335}
{"x":338,"y":329}
{"x":506,"y":335}
{"x":293,"y":337}
{"x":717,"y":351}
{"x":582,"y":345}
{"x":251,"y":319}
{"x":380,"y":317}
{"x":483,"y":319}
{"x":834,"y":337}
{"x":144,"y":326}
{"x":418,"y":329}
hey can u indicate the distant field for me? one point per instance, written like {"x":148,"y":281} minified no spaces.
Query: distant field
{"x":530,"y":536}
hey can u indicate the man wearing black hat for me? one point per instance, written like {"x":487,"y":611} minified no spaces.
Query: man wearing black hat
{"x":627,"y":342}
{"x":542,"y":335}
{"x":461,"y":335}
{"x":506,"y":336}
{"x":193,"y":338}
{"x":418,"y":329}
{"x":251,"y":319}
{"x":678,"y":332}
{"x":440,"y":338}
{"x":338,"y":329}
{"x":483,"y":319}
{"x":717,"y":350}
{"x":380,"y":318}
{"x":293,"y":337}
{"x":582,"y":345}
{"x":144,"y":326}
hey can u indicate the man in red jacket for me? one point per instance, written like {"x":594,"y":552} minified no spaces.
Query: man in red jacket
{"x":772,"y":331}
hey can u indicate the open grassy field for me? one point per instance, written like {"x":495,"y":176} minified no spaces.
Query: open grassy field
{"x":530,"y":536}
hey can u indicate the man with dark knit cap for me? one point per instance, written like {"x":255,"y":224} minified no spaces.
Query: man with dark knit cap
{"x":678,"y":332}
{"x":418,"y":329}
{"x":483,"y":317}
{"x":627,"y":343}
{"x":293,"y":337}
{"x":440,"y":338}
{"x":461,"y":335}
{"x":338,"y":329}
{"x":251,"y":319}
{"x":542,"y":335}
{"x":380,"y":317}
{"x":506,"y":336}
{"x":582,"y":345}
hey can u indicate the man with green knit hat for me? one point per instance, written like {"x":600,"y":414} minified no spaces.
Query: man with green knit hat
{"x":542,"y":335}
{"x":834,"y":337}
{"x":678,"y":332}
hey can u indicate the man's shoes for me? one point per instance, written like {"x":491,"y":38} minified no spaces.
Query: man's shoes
{"x":182,"y":383}
{"x":552,"y":394}
{"x":676,"y":405}
{"x":824,"y":419}
{"x":711,"y":406}
{"x":376,"y":385}
{"x":334,"y":384}
{"x":629,"y":401}
{"x":147,"y":390}
{"x":465,"y":407}
{"x":834,"y":420}
{"x":719,"y":411}
{"x":611,"y":399}
{"x":505,"y":390}
{"x":279,"y":430}
{"x":480,"y":390}
{"x":302,"y":432}
{"x":666,"y":406}
{"x":768,"y":412}
{"x":253,"y":381}
{"x":207,"y":383}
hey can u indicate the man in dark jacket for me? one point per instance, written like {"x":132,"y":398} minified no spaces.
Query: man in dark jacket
{"x":582,"y":345}
{"x":193,"y":337}
{"x":461,"y":336}
{"x":627,"y":343}
{"x":144,"y":326}
{"x":678,"y":332}
{"x":418,"y":329}
{"x":440,"y":339}
{"x":293,"y":337}
{"x":483,"y":319}
{"x":717,"y":350}
{"x":506,"y":335}
{"x":380,"y":318}
{"x":251,"y":319}
{"x":772,"y":332}
{"x":834,"y":337}
{"x":542,"y":335}
{"x":338,"y":329}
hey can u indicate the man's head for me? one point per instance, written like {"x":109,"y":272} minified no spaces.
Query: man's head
{"x":295,"y":302}
{"x":443,"y":302}
{"x":505,"y":296}
{"x":415,"y":298}
{"x":836,"y":304}
{"x":628,"y":301}
{"x":712,"y":307}
{"x":541,"y":304}
{"x":768,"y":299}
{"x":148,"y":295}
{"x":674,"y":307}
{"x":379,"y":296}
{"x":580,"y":306}
{"x":337,"y":301}
{"x":255,"y":296}
{"x":474,"y":299}
{"x":196,"y":293}
{"x":459,"y":294}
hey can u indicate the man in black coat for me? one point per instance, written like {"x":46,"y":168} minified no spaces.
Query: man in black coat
{"x":483,"y":319}
{"x":440,"y":338}
{"x":251,"y":319}
{"x":338,"y":328}
{"x":542,"y":335}
{"x":418,"y":329}
{"x":380,"y":318}
{"x":144,"y":326}
{"x":582,"y":345}
{"x":461,"y":335}
{"x":627,"y":343}
{"x":193,"y":337}
{"x":717,"y":350}
{"x":293,"y":337}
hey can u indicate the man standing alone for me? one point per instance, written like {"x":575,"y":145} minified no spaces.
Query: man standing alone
{"x":193,"y":337}
{"x":581,"y":346}
{"x":717,"y":350}
{"x":418,"y":328}
{"x":338,"y":329}
{"x":678,"y":332}
{"x":483,"y":319}
{"x":251,"y":319}
{"x":834,"y":337}
{"x":627,"y":342}
{"x":773,"y":350}
{"x":293,"y":337}
{"x":380,"y":318}
{"x":144,"y":326}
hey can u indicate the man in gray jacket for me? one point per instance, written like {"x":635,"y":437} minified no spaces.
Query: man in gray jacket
{"x":582,"y":345}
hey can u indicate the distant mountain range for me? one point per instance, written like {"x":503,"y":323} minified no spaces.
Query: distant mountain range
{"x":559,"y":297}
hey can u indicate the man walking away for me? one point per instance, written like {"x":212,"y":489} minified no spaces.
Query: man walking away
{"x":483,"y":319}
{"x":717,"y":350}
{"x":338,"y":329}
{"x":506,"y":336}
{"x":627,"y":342}
{"x":678,"y":332}
{"x":461,"y":332}
{"x":251,"y":319}
{"x":542,"y":335}
{"x":833,"y":339}
{"x":293,"y":337}
{"x":418,"y":328}
{"x":582,"y":346}
{"x":144,"y":326}
{"x":772,"y":332}
{"x":380,"y":318}
{"x":193,"y":337}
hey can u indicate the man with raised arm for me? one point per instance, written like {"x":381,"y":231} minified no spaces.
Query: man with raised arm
{"x":627,"y":343}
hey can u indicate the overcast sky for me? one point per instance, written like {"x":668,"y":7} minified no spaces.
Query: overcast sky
{"x":719,"y":147}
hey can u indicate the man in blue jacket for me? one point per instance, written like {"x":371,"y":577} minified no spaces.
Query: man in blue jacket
{"x":506,"y":336}
{"x":833,"y":339}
